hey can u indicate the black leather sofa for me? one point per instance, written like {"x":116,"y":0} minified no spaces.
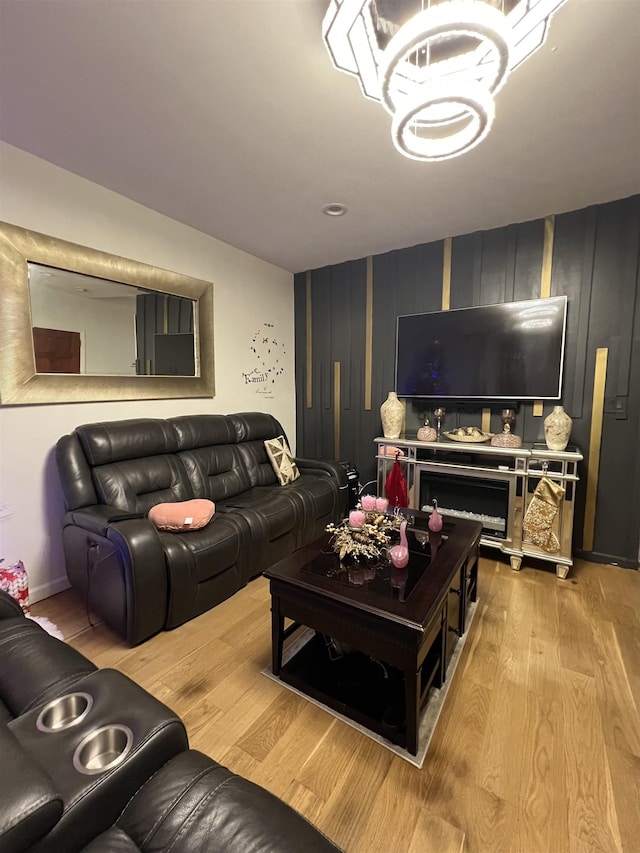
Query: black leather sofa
{"x":141,"y":580}
{"x":92,"y":762}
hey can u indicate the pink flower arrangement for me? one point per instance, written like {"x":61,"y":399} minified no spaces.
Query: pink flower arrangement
{"x":371,"y":503}
{"x":365,"y":533}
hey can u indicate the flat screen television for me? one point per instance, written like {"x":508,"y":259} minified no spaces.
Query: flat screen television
{"x":509,"y":351}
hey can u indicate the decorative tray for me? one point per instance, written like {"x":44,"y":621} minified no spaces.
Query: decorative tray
{"x":468,"y":435}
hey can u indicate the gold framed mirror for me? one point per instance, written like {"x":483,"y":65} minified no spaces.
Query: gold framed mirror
{"x":24,"y":253}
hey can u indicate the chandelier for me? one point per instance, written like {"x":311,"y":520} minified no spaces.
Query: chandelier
{"x":435,"y":65}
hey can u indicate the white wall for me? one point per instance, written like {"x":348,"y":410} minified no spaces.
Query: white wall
{"x":248,"y":293}
{"x":106,"y":326}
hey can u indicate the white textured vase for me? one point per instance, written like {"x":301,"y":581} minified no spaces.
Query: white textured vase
{"x":557,"y":429}
{"x":392,"y":414}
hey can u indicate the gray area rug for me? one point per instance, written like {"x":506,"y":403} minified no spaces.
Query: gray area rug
{"x":430,"y":713}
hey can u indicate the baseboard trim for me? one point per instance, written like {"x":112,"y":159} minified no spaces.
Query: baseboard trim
{"x":608,"y":559}
{"x":46,"y":590}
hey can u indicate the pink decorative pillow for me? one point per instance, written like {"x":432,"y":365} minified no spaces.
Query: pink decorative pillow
{"x":182,"y":515}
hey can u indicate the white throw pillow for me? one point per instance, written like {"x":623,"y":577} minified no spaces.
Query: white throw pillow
{"x":281,"y":460}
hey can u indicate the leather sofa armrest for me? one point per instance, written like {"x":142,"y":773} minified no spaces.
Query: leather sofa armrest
{"x":98,"y":519}
{"x":9,"y":607}
{"x":117,"y":560}
{"x":29,"y":806}
{"x":334,"y":469}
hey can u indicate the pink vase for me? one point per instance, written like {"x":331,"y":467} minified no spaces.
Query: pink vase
{"x":435,"y":519}
{"x":400,"y":553}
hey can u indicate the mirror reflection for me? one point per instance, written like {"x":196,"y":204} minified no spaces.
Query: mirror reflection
{"x":88,"y":325}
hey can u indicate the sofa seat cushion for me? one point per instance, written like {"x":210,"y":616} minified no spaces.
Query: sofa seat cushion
{"x":274,"y":511}
{"x":205,"y":552}
{"x":318,"y":497}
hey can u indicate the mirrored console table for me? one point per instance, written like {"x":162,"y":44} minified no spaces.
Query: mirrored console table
{"x":493,"y":485}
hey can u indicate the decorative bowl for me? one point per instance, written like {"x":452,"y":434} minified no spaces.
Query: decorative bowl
{"x":468,"y":435}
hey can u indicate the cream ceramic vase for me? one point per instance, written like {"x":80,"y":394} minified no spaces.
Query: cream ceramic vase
{"x":557,"y":429}
{"x":392,"y":414}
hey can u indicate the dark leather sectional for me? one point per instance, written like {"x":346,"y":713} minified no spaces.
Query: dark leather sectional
{"x":140,"y":580}
{"x":92,"y":762}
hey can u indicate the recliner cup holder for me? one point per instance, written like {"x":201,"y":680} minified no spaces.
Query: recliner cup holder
{"x":103,"y":749}
{"x":64,"y":712}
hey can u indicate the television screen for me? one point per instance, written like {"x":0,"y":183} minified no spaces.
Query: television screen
{"x":509,"y":351}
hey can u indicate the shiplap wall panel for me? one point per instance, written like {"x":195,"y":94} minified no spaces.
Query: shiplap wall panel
{"x":594,"y":262}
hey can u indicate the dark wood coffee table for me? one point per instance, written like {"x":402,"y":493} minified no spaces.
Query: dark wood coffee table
{"x":383,"y":636}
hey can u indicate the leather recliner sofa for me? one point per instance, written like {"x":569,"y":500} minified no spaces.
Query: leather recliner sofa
{"x":92,"y":762}
{"x":141,"y":580}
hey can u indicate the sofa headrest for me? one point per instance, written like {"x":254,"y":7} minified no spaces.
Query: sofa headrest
{"x":255,"y":426}
{"x":193,"y":431}
{"x":136,"y":438}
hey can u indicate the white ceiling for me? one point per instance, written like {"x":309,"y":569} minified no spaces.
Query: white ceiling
{"x":227,"y":115}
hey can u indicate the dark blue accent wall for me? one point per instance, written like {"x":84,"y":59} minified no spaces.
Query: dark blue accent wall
{"x":596,"y":263}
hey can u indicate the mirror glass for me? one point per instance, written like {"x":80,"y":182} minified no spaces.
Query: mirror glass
{"x":82,"y":324}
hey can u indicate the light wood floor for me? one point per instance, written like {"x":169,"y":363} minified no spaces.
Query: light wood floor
{"x":537,"y":749}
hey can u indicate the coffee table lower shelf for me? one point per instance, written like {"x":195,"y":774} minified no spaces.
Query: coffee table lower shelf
{"x":366,"y":690}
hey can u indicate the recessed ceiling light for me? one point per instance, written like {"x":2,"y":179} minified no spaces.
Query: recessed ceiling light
{"x":334,"y":209}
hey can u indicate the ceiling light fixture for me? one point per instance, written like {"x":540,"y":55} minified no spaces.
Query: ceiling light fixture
{"x":435,"y":65}
{"x":334,"y":209}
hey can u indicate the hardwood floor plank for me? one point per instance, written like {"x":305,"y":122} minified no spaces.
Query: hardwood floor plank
{"x":618,"y":709}
{"x":576,"y":633}
{"x":533,"y":751}
{"x":271,"y":725}
{"x":629,"y":644}
{"x":542,"y":817}
{"x":502,"y":768}
{"x":349,"y":805}
{"x":489,"y":823}
{"x":625,"y":779}
{"x":544,"y":651}
{"x":304,"y":801}
{"x":457,"y":741}
{"x":396,"y":804}
{"x":591,"y":809}
{"x":434,"y":835}
{"x":334,"y":754}
{"x":485,"y":640}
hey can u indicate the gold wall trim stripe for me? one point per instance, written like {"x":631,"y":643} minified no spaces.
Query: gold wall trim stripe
{"x":547,"y":256}
{"x":595,"y":444}
{"x":336,"y":410}
{"x":309,"y":341}
{"x":446,"y":275}
{"x":545,"y":281}
{"x":368,"y":337}
{"x":486,"y":420}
